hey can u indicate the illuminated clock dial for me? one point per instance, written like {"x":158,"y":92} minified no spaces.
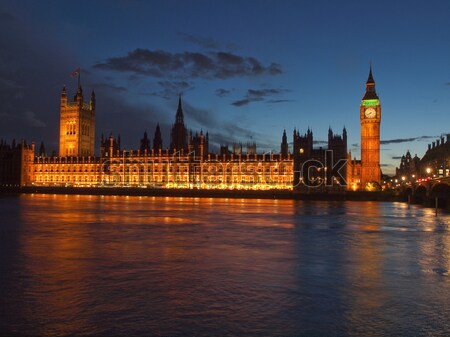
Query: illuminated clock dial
{"x":370,"y":113}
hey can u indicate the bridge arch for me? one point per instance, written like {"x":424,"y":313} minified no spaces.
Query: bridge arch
{"x":420,"y":194}
{"x":440,"y":190}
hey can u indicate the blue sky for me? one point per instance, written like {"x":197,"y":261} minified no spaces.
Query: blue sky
{"x":246,"y":69}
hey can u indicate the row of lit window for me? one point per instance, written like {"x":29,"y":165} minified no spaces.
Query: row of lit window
{"x":214,"y":180}
{"x":211,"y":170}
{"x":68,"y":170}
{"x":67,"y":179}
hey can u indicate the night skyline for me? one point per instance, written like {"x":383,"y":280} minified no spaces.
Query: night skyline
{"x":246,"y":71}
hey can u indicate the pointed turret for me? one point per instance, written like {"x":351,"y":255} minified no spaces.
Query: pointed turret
{"x":79,"y":96}
{"x":370,"y":87}
{"x":157,"y":140}
{"x":179,"y":137}
{"x":370,"y":78}
{"x":145,"y":143}
{"x":284,"y":145}
{"x":63,"y":97}
{"x":179,"y":117}
{"x":92,"y":103}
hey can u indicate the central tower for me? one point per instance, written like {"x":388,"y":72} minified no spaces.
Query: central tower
{"x":370,"y":118}
{"x":77,"y":125}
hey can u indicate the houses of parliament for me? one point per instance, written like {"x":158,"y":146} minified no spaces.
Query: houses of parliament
{"x":188,"y":163}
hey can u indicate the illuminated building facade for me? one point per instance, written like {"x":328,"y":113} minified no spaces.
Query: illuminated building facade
{"x":134,"y":168}
{"x":188,"y":163}
{"x":365,"y":174}
{"x":16,"y":163}
{"x":435,"y":163}
{"x":370,"y":118}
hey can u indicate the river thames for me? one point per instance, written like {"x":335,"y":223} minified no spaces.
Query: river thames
{"x":166,"y":266}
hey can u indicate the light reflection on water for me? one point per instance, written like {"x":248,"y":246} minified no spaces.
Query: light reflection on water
{"x":94,"y":265}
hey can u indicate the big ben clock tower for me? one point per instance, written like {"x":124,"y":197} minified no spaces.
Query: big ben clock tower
{"x":370,"y":117}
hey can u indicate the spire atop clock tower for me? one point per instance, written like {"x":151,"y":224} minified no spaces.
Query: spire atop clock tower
{"x":370,"y":79}
{"x":370,"y":87}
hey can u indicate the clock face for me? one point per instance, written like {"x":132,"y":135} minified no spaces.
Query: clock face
{"x":370,"y":113}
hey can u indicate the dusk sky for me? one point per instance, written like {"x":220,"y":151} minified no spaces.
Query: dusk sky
{"x":246,"y":69}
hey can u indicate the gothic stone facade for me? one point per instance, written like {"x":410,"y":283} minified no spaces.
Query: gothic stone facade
{"x":188,"y":163}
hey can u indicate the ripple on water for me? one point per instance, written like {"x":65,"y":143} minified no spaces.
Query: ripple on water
{"x":184,"y":266}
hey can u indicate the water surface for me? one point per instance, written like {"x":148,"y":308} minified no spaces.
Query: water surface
{"x":155,"y":266}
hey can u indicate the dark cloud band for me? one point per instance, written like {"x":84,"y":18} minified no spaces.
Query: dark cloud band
{"x":404,"y":140}
{"x":211,"y":65}
{"x":256,"y":95}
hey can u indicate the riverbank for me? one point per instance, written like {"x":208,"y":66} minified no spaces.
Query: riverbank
{"x":243,"y":194}
{"x":197,"y":193}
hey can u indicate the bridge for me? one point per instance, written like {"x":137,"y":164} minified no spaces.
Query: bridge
{"x":426,"y":191}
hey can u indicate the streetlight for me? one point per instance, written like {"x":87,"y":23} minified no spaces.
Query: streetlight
{"x":428,"y":171}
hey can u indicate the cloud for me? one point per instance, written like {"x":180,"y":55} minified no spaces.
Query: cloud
{"x":231,"y":133}
{"x":405,"y":140}
{"x":109,"y":87}
{"x":171,"y":89}
{"x":131,"y":119}
{"x":320,"y":142}
{"x":199,"y":116}
{"x":222,"y":92}
{"x":26,"y":118}
{"x":396,"y":157}
{"x":254,"y":95}
{"x":32,"y":120}
{"x":206,"y":42}
{"x":6,"y":84}
{"x":242,"y":102}
{"x":355,"y":145}
{"x":5,"y":17}
{"x":210,"y":65}
{"x":221,"y":132}
{"x":274,"y":101}
{"x":448,"y":83}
